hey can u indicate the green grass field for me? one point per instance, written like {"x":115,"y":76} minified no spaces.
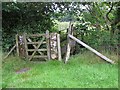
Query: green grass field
{"x":82,"y":71}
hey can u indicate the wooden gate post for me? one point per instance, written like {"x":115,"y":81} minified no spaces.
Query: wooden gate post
{"x":68,"y":43}
{"x":25,"y":45}
{"x":59,"y":48}
{"x":48,"y":44}
{"x":17,"y":44}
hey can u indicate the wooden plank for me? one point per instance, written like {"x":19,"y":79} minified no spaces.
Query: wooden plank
{"x":17,"y":44}
{"x":10,"y":51}
{"x":59,"y":48}
{"x":91,"y":49}
{"x":36,"y":48}
{"x":25,"y":43}
{"x":35,"y":42}
{"x":35,"y":35}
{"x":48,"y":44}
{"x":68,"y":45}
{"x":38,"y":56}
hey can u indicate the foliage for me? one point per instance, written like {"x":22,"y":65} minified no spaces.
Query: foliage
{"x":94,"y":27}
{"x":95,"y":21}
{"x":82,"y":71}
{"x":25,"y":17}
{"x":93,"y":36}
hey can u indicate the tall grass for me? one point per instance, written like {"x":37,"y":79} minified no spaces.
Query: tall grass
{"x":82,"y":71}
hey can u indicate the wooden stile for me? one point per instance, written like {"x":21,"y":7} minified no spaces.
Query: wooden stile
{"x":91,"y":49}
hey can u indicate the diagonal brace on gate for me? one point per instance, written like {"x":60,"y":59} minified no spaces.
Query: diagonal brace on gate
{"x":37,"y":48}
{"x":34,"y":46}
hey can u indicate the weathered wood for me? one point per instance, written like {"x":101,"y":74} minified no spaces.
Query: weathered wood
{"x":72,"y":42}
{"x":39,"y":51}
{"x":30,"y":41}
{"x":68,"y":45}
{"x":59,"y":48}
{"x":35,"y":42}
{"x":21,"y":46}
{"x":48,"y":44}
{"x":53,"y":46}
{"x":35,"y":35}
{"x":25,"y":45}
{"x":91,"y":49}
{"x":10,"y":51}
{"x":17,"y":45}
{"x":68,"y":53}
{"x":36,"y":48}
{"x":38,"y":56}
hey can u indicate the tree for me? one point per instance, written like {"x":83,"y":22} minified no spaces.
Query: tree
{"x":25,"y":17}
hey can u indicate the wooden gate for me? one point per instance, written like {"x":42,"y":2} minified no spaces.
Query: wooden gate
{"x":33,"y":46}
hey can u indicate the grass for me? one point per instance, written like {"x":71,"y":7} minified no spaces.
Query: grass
{"x":0,"y":68}
{"x":62,"y":25}
{"x":82,"y":71}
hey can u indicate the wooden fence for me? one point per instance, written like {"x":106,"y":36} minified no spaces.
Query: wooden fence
{"x":47,"y":46}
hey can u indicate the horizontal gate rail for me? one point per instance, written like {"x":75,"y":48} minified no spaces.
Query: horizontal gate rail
{"x":37,"y":50}
{"x":35,"y":42}
{"x":37,"y":56}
